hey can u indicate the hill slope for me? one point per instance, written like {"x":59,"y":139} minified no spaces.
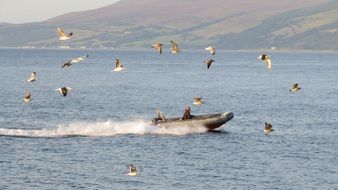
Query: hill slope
{"x":228,"y":24}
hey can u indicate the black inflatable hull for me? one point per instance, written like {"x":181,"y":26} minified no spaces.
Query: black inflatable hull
{"x":210,"y":121}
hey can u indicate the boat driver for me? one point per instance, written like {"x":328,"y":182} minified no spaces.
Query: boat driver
{"x":186,"y":114}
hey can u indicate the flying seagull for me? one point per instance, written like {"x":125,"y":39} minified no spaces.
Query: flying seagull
{"x":174,"y":48}
{"x":118,"y":65}
{"x":158,"y":47}
{"x":74,"y":60}
{"x":295,"y":88}
{"x":211,"y":49}
{"x":27,"y":97}
{"x":132,"y":170}
{"x":198,"y":101}
{"x":64,"y":90}
{"x":268,"y":128}
{"x":63,"y":36}
{"x":267,"y":60}
{"x":32,"y":78}
{"x":209,"y":62}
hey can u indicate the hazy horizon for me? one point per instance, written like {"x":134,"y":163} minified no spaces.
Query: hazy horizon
{"x":40,"y":10}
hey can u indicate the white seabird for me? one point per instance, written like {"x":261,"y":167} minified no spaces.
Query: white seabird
{"x":211,"y":49}
{"x":267,"y":60}
{"x":198,"y":101}
{"x":268,"y":128}
{"x":118,"y":65}
{"x":209,"y":62}
{"x":32,"y":78}
{"x":27,"y":97}
{"x":295,"y":88}
{"x":132,"y":170}
{"x":174,"y":47}
{"x":74,"y":60}
{"x":64,"y":90}
{"x":158,"y":47}
{"x":63,"y":36}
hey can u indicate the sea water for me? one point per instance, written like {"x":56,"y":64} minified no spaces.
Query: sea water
{"x":87,"y":139}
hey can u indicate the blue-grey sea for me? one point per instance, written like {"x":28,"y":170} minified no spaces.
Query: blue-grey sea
{"x":87,"y":139}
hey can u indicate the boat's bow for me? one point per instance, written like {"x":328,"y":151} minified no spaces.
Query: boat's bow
{"x":218,"y":120}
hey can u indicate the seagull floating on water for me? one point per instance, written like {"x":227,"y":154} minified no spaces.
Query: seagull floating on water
{"x":211,"y":49}
{"x":268,"y":128}
{"x":63,"y":36}
{"x":209,"y":62}
{"x":64,"y":90}
{"x":74,"y":60}
{"x":132,"y":170}
{"x":118,"y":65}
{"x":158,"y":47}
{"x":27,"y":97}
{"x":32,"y":78}
{"x":174,"y":48}
{"x":198,"y":101}
{"x":295,"y":88}
{"x":267,"y":60}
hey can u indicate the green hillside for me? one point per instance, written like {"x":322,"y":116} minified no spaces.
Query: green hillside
{"x":227,"y":24}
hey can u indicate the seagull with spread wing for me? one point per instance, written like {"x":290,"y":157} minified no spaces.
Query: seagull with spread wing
{"x":64,"y":90}
{"x":198,"y":101}
{"x":267,"y":127}
{"x":295,"y":88}
{"x":74,"y":60}
{"x":209,"y":62}
{"x":62,"y":35}
{"x":211,"y":49}
{"x":118,"y":65}
{"x":174,"y":47}
{"x":266,"y":60}
{"x":158,"y":47}
{"x":32,"y":78}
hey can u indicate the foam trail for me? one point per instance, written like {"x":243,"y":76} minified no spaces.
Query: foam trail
{"x":108,"y":128}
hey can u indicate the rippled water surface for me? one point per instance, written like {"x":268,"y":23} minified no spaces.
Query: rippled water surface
{"x":87,"y":139}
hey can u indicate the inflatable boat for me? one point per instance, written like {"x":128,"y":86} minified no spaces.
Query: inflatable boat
{"x":210,"y":121}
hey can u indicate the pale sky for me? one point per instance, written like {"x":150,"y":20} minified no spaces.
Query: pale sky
{"x":22,"y":11}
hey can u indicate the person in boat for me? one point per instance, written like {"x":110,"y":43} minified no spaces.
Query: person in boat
{"x":160,"y":115}
{"x":186,"y":114}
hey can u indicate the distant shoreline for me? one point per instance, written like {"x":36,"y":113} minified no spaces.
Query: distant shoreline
{"x":187,"y":50}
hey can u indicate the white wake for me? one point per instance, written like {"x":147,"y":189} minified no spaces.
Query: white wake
{"x":108,"y":128}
